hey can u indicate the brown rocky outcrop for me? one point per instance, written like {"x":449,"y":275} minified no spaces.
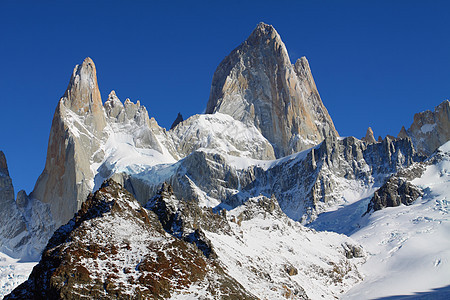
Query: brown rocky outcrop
{"x":115,"y":249}
{"x":257,"y":83}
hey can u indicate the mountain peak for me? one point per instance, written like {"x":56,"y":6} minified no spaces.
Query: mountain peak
{"x":3,"y":164}
{"x":82,"y":94}
{"x":369,"y":138}
{"x":263,"y":32}
{"x":257,"y":84}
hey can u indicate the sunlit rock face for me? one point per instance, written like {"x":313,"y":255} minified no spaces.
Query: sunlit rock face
{"x":75,"y":135}
{"x":430,"y":129}
{"x":256,"y":83}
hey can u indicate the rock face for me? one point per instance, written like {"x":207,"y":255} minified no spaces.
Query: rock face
{"x":177,"y":121}
{"x":11,"y":223}
{"x":257,"y":84}
{"x":369,"y":138}
{"x":75,"y":135}
{"x":430,"y":129}
{"x":25,"y":224}
{"x":115,"y":249}
{"x":399,"y":188}
{"x":305,"y":183}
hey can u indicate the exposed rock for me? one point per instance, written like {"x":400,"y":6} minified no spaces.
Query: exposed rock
{"x":394,"y":192}
{"x":306,"y":183}
{"x":257,"y":84}
{"x":132,"y":116}
{"x":25,"y":225}
{"x":75,"y":135}
{"x":186,"y":219}
{"x":11,"y":222}
{"x":380,"y":139}
{"x":291,"y":270}
{"x":402,"y":134}
{"x":353,"y":251}
{"x":177,"y":121}
{"x":431,"y":129}
{"x":115,"y":249}
{"x":369,"y":138}
{"x":114,"y":108}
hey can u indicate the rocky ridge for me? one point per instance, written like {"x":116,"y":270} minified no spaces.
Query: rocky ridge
{"x":430,"y":129}
{"x":229,"y":237}
{"x":25,"y":224}
{"x":114,"y":249}
{"x":399,"y":188}
{"x":306,"y":183}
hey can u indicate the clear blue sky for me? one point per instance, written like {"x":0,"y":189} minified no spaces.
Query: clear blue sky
{"x":375,"y":63}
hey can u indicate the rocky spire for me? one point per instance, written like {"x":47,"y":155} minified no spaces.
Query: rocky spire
{"x":75,"y":135}
{"x":256,"y":83}
{"x":402,"y":134}
{"x":369,"y":138}
{"x":177,"y":121}
{"x":83,"y":96}
{"x":3,"y":165}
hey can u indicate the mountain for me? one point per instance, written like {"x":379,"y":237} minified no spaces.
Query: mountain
{"x":230,"y":190}
{"x":75,"y":136}
{"x":25,"y":224}
{"x":114,"y":248}
{"x":430,"y":129}
{"x":408,"y":245}
{"x":257,"y":84}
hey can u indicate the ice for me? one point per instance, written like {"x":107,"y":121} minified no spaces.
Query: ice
{"x":12,"y":273}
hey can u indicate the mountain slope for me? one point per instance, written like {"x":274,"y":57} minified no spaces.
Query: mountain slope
{"x":258,"y":245}
{"x":407,"y":246}
{"x":25,"y":224}
{"x":113,"y":248}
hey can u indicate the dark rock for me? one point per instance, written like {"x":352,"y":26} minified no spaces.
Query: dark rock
{"x":177,"y":121}
{"x":394,"y":192}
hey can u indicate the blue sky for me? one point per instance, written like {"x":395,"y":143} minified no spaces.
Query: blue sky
{"x":375,"y":63}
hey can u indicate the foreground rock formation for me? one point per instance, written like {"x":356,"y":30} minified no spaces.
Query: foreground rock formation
{"x":257,"y":84}
{"x":113,"y":248}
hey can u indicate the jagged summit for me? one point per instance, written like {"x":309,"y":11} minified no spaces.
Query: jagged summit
{"x":82,"y":94}
{"x":257,"y":84}
{"x":369,"y":138}
{"x":430,"y":129}
{"x":177,"y":121}
{"x":3,"y":164}
{"x":262,"y":33}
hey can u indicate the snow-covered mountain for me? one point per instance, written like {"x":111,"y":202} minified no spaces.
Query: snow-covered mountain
{"x":228,"y":190}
